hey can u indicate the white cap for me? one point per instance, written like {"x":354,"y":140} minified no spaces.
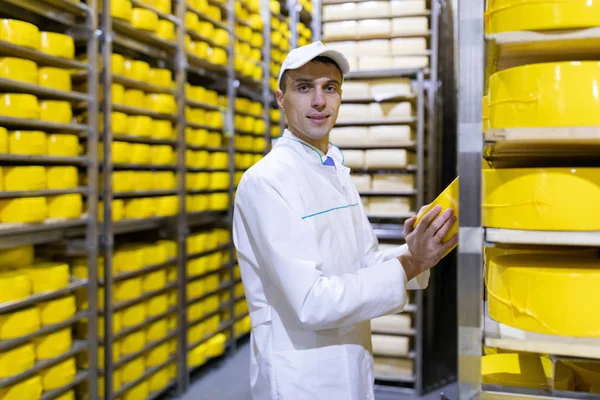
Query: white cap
{"x":302,"y":55}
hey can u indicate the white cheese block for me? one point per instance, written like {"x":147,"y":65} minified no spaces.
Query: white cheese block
{"x":349,"y":136}
{"x":354,"y":112}
{"x":373,"y":28}
{"x":375,"y":62}
{"x":339,"y":12}
{"x":354,"y":159}
{"x":409,"y":25}
{"x":340,"y":30}
{"x":347,"y":48}
{"x":391,"y":110}
{"x":393,"y":367}
{"x":400,"y":8}
{"x":389,"y":88}
{"x":361,"y":181}
{"x":373,"y":9}
{"x":391,"y":323}
{"x":352,"y":63}
{"x":393,"y":182}
{"x":386,"y":345}
{"x":390,"y":134}
{"x":365,"y":202}
{"x":355,"y":90}
{"x":386,"y":158}
{"x":407,"y":62}
{"x":390,"y":205}
{"x":373,"y":47}
{"x":408,"y":46}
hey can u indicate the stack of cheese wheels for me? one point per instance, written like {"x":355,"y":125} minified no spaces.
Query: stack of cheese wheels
{"x":280,"y":41}
{"x":248,"y":53}
{"x":379,"y":35}
{"x":197,"y":21}
{"x":21,"y":276}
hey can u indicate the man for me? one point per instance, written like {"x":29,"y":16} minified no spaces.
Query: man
{"x":309,"y":261}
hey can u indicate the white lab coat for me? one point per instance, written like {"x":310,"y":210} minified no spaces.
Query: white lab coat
{"x":312,"y":275}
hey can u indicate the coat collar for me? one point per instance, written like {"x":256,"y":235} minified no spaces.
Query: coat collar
{"x":310,"y":152}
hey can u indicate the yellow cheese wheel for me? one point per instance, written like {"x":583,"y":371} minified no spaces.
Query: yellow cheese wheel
{"x":14,"y":286}
{"x":161,"y":77}
{"x":162,"y":129}
{"x":172,"y":298}
{"x":16,"y":360}
{"x":133,"y":370}
{"x":3,"y":141}
{"x":117,"y":92}
{"x":214,"y":139}
{"x":197,"y":180}
{"x":218,"y":56}
{"x":121,"y":9}
{"x":195,"y":311}
{"x":25,"y":178}
{"x":138,"y":70}
{"x":48,"y":276}
{"x":157,"y":305}
{"x":155,"y":281}
{"x":219,"y":160}
{"x":172,"y":321}
{"x":538,"y":299}
{"x":587,"y":374}
{"x":140,"y":125}
{"x":19,"y":323}
{"x":197,"y":266}
{"x":543,"y":95}
{"x":219,"y":180}
{"x":196,"y":242}
{"x":19,"y":69}
{"x":62,"y":177}
{"x":27,"y":142}
{"x":140,"y":153}
{"x":212,"y":324}
{"x":525,"y":370}
{"x":511,"y":15}
{"x":140,"y":208}
{"x":128,"y":289}
{"x":162,"y":103}
{"x":197,"y":356}
{"x":19,"y":106}
{"x":30,"y":388}
{"x":162,"y":154}
{"x":158,"y":355}
{"x":171,"y":274}
{"x":133,"y":343}
{"x":159,"y":380}
{"x":24,"y":210}
{"x":167,"y":206}
{"x":195,"y":289}
{"x":65,"y":206}
{"x":119,"y":122}
{"x":82,"y":326}
{"x":143,"y":180}
{"x":211,"y":304}
{"x":56,"y":111}
{"x":156,"y":253}
{"x":57,"y":44}
{"x":140,"y":391}
{"x":20,"y":33}
{"x":195,"y":333}
{"x":70,"y":395}
{"x":211,"y":283}
{"x":134,"y":98}
{"x":53,"y":344}
{"x":144,"y":19}
{"x":166,"y":30}
{"x":59,"y":375}
{"x":116,"y":350}
{"x":118,"y":210}
{"x":164,"y":180}
{"x":134,"y":315}
{"x":170,"y":247}
{"x":129,"y":257}
{"x":122,"y":181}
{"x":526,"y":199}
{"x":158,"y":330}
{"x":57,"y":311}
{"x":63,"y":145}
{"x":197,"y":203}
{"x":164,"y":6}
{"x":16,"y":257}
{"x":219,"y":201}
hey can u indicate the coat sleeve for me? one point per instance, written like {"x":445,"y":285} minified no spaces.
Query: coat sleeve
{"x":286,"y":252}
{"x":375,"y":256}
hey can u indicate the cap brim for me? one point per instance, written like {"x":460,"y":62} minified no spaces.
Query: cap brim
{"x":335,"y":55}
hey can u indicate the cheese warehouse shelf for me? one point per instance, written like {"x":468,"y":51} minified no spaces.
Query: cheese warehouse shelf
{"x":13,"y":86}
{"x":24,"y":123}
{"x":141,"y":85}
{"x":498,"y":45}
{"x":80,"y":377}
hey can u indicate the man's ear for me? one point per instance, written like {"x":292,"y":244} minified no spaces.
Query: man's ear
{"x":279,"y":98}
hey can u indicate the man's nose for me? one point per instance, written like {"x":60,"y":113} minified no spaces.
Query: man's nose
{"x":318,"y":100}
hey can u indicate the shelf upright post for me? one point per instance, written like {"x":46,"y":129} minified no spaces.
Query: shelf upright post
{"x":470,"y":149}
{"x":316,"y":20}
{"x":107,"y":237}
{"x":294,"y":9}
{"x":92,"y":198}
{"x":432,"y":91}
{"x":182,"y":231}
{"x":266,"y":89}
{"x":232,"y":85}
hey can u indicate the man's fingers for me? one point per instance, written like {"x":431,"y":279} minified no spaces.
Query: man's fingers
{"x":449,"y":244}
{"x":440,"y":221}
{"x":422,"y":209}
{"x":445,"y":228}
{"x":428,"y":218}
{"x":408,"y":225}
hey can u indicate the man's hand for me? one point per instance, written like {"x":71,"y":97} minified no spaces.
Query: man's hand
{"x":425,"y":241}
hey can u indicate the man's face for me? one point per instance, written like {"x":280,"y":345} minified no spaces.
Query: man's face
{"x":312,"y":99}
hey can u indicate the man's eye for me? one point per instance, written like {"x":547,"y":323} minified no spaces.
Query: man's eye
{"x":303,"y":88}
{"x":331,"y":88}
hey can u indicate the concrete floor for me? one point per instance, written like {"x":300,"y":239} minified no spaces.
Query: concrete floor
{"x":227,"y":379}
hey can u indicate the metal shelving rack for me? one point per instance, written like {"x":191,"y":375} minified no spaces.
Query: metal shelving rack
{"x":80,"y":21}
{"x":478,"y":57}
{"x":425,"y":84}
